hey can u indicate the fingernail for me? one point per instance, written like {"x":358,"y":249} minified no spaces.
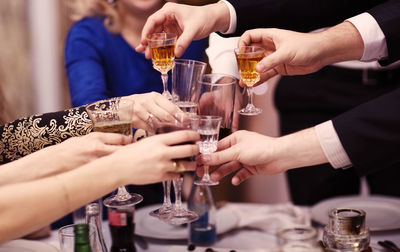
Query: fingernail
{"x":235,"y":181}
{"x":179,"y":51}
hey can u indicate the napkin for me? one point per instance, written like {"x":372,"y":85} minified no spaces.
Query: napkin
{"x":270,"y":218}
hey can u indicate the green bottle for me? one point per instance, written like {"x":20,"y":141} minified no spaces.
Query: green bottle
{"x":82,"y":242}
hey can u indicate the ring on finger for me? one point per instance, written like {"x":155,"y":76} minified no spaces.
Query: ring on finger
{"x":178,"y":166}
{"x":149,"y":118}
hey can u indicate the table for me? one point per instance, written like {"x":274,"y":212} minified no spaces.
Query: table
{"x":241,"y":239}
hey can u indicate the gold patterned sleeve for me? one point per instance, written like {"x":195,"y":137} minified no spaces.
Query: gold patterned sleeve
{"x":29,"y":134}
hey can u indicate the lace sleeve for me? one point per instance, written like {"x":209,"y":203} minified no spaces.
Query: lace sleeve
{"x":29,"y":134}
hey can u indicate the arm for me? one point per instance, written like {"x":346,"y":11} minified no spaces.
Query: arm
{"x":61,"y":157}
{"x":61,"y":194}
{"x":29,"y":134}
{"x":84,"y":62}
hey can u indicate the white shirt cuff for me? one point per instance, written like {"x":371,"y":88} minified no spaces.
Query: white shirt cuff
{"x":233,"y":18}
{"x":375,"y":47}
{"x":332,"y":146}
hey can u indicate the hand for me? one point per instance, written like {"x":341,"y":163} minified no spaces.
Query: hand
{"x":188,"y":22}
{"x":294,"y":53}
{"x":246,"y":152}
{"x":62,"y":157}
{"x":250,"y":153}
{"x":151,"y":159}
{"x":151,"y":104}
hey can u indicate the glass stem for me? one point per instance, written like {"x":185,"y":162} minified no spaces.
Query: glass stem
{"x":206,"y":175}
{"x":167,"y":193}
{"x":250,"y":96}
{"x":122,"y":194}
{"x":178,"y":192}
{"x":164,"y":78}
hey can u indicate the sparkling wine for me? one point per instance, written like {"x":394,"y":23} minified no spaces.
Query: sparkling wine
{"x":121,"y":127}
{"x":247,"y":68}
{"x":208,"y":141}
{"x":163,"y":58}
{"x":188,"y":107}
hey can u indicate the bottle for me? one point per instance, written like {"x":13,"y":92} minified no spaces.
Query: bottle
{"x":122,"y":227}
{"x":81,"y":242}
{"x":202,"y":231}
{"x":93,"y":218}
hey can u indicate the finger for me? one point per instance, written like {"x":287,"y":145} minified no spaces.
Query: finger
{"x":168,"y":106}
{"x":178,"y":137}
{"x":220,"y":157}
{"x":183,"y":165}
{"x":153,"y":24}
{"x":225,"y":170}
{"x":183,"y":151}
{"x":171,"y":176}
{"x":240,"y":176}
{"x":183,"y":41}
{"x":225,"y":142}
{"x":267,"y":75}
{"x":113,"y":138}
{"x":273,"y":60}
{"x":251,"y":36}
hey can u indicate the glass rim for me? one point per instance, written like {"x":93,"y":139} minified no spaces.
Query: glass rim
{"x":108,"y":100}
{"x":310,"y":232}
{"x":258,"y":48}
{"x":168,"y":36}
{"x":201,"y":81}
{"x":335,"y":213}
{"x":209,"y":117}
{"x":189,"y":62}
{"x":92,"y":230}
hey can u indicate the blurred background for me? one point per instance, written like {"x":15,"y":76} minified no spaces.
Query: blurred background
{"x":33,"y":79}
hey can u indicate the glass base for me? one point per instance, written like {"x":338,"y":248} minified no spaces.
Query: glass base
{"x":179,"y":217}
{"x":162,"y":212}
{"x":118,"y":202}
{"x":167,"y":95}
{"x":250,"y":110}
{"x":206,"y":182}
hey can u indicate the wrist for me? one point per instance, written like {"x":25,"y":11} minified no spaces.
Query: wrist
{"x":299,"y":149}
{"x":221,"y":11}
{"x":342,"y":42}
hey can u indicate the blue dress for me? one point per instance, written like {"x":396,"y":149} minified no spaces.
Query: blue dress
{"x":101,"y":65}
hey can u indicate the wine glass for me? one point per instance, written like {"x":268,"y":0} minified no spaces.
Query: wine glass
{"x":162,"y":47}
{"x":217,"y":98}
{"x":208,"y":128}
{"x":166,"y":206}
{"x":185,"y":88}
{"x":115,"y":116}
{"x":178,"y":215}
{"x":247,"y":58}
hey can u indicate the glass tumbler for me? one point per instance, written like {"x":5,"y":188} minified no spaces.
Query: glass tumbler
{"x":298,"y":239}
{"x":346,"y":230}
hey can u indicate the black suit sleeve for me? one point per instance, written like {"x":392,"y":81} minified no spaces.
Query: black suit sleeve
{"x":388,"y":17}
{"x":297,"y":15}
{"x":370,"y":133}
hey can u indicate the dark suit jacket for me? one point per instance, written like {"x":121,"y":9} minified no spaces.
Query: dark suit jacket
{"x":297,"y":15}
{"x":370,"y":133}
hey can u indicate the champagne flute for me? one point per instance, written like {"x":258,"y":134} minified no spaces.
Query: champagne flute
{"x":178,"y":215}
{"x":208,"y":128}
{"x":247,"y":58}
{"x":162,"y":47}
{"x":115,"y":116}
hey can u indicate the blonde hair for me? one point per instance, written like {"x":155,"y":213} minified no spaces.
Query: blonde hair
{"x":103,"y":8}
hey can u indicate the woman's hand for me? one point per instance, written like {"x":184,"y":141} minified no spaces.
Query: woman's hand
{"x":151,"y":104}
{"x":151,"y":159}
{"x":62,"y":157}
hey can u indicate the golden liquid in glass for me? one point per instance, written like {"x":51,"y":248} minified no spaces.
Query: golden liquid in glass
{"x":163,"y":58}
{"x":121,"y":127}
{"x":247,"y":68}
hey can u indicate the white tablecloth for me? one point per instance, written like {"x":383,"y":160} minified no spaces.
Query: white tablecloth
{"x":244,"y":238}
